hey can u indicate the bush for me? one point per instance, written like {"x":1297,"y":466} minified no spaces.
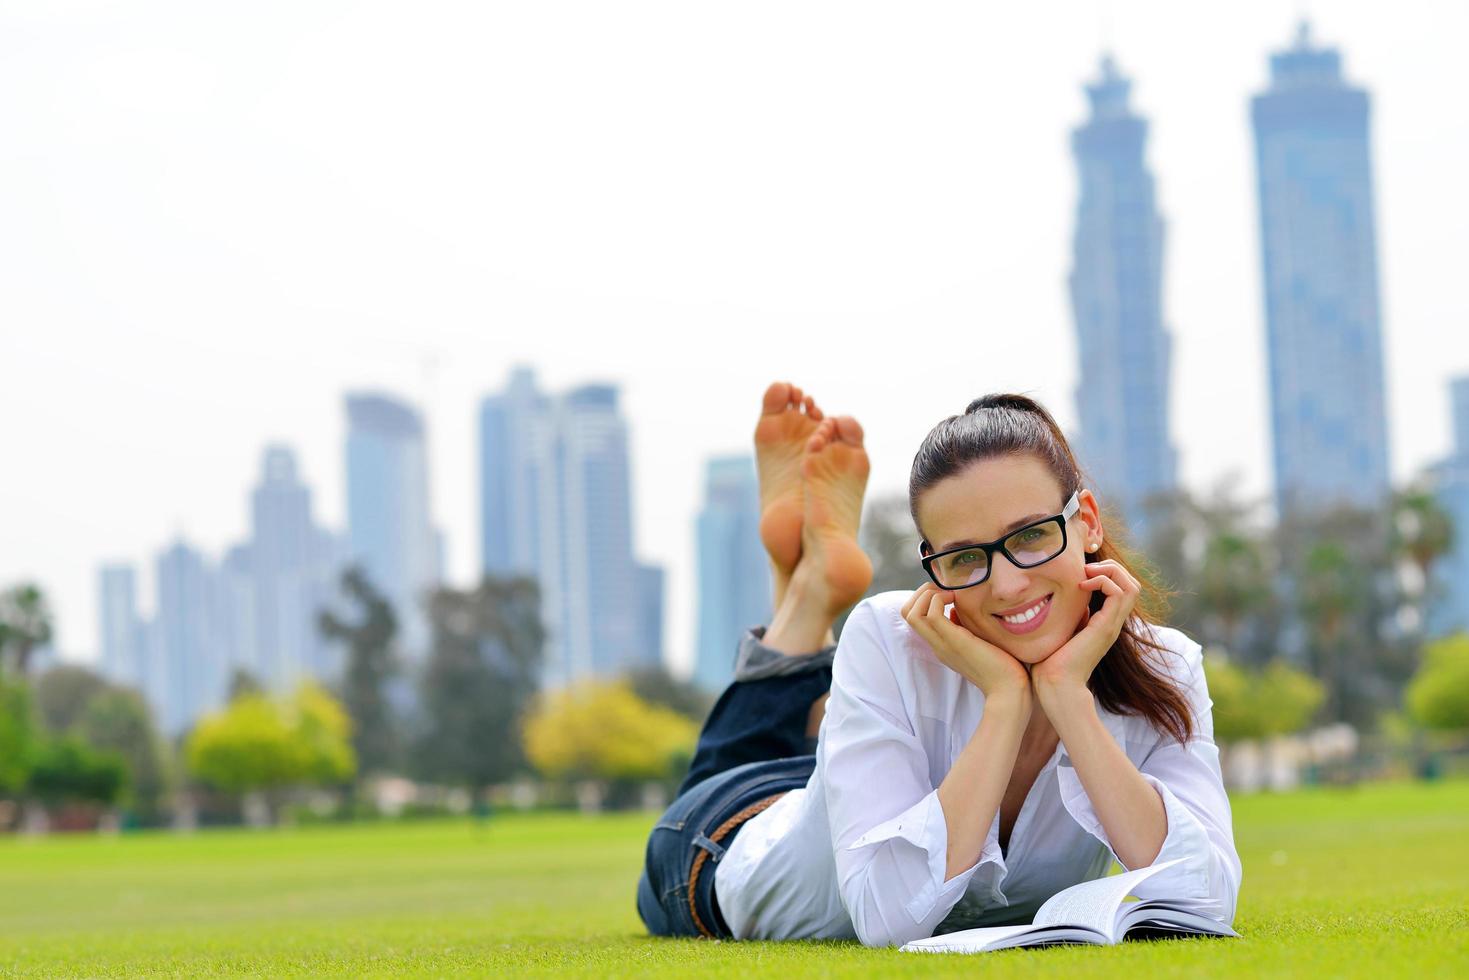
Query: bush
{"x":1438,"y":695}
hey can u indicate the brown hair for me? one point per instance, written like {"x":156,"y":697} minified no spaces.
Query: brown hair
{"x":1130,"y":679}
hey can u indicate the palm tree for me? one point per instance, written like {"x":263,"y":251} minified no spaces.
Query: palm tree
{"x":25,"y":624}
{"x":1422,"y":533}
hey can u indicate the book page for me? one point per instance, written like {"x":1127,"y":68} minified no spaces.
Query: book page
{"x":967,"y":941}
{"x":1094,"y":904}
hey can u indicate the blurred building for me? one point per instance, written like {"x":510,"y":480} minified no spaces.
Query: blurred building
{"x":734,"y":572}
{"x":121,"y":640}
{"x":254,"y":611}
{"x":1319,"y":246}
{"x":389,"y":531}
{"x":556,"y":504}
{"x":288,"y":572}
{"x":651,"y":584}
{"x":1117,"y":302}
{"x":187,"y":673}
{"x":1449,"y":605}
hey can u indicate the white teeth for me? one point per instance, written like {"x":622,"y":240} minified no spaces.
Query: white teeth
{"x":1026,"y":616}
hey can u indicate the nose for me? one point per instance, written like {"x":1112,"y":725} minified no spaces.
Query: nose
{"x":1007,"y":583}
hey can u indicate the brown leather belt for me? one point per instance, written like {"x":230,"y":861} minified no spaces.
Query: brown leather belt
{"x":720,"y":833}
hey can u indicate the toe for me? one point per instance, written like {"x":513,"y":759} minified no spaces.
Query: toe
{"x":848,"y":430}
{"x":777,"y":396}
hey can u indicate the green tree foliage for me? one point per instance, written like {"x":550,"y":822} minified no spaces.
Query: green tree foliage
{"x":370,"y":667}
{"x":257,"y":743}
{"x":118,"y":720}
{"x":25,"y":624}
{"x":1438,"y":696}
{"x":481,"y":674}
{"x":18,"y":736}
{"x":602,"y":730}
{"x":1275,"y":700}
{"x":63,"y":693}
{"x":68,"y":770}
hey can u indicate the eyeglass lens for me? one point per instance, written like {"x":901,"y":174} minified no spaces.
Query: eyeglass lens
{"x":1027,"y":547}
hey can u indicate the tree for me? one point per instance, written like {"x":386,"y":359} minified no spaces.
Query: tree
{"x":68,"y":770}
{"x":257,"y":743}
{"x":602,"y":730}
{"x":63,"y":693}
{"x":1422,"y":534}
{"x":657,"y":686}
{"x":18,"y":736}
{"x":482,"y":671}
{"x":245,"y":747}
{"x":1276,"y":700}
{"x":1438,"y":696}
{"x":118,"y":720}
{"x":370,"y":667}
{"x":25,"y":623}
{"x":242,"y":682}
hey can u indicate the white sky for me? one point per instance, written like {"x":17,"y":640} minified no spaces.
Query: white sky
{"x":215,"y":218}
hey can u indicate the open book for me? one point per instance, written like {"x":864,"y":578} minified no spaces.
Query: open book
{"x":1094,"y":912}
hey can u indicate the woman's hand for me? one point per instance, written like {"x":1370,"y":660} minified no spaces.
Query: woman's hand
{"x":1070,"y":667}
{"x":986,"y":666}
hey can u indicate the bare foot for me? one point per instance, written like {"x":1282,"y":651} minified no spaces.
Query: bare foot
{"x":788,"y":419}
{"x":834,"y":469}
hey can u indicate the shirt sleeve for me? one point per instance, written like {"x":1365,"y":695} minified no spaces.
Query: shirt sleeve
{"x":1189,"y":781}
{"x":888,"y":830}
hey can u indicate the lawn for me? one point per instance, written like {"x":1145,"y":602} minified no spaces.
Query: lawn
{"x":1371,"y":881}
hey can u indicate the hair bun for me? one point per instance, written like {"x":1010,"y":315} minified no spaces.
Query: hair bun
{"x":1019,"y":403}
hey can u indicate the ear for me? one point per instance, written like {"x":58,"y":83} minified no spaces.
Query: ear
{"x":1090,"y":513}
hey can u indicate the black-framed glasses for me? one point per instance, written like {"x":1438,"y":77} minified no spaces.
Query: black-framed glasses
{"x":1029,"y":546}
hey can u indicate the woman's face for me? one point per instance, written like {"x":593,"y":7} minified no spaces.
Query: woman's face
{"x":986,"y":501}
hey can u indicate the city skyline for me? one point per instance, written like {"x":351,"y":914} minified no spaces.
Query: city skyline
{"x":1124,"y":348}
{"x":609,"y":271}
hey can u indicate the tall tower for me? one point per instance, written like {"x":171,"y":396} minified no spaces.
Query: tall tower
{"x":389,"y":531}
{"x":1319,"y":247}
{"x":1117,"y":302}
{"x":291,"y":568}
{"x":598,"y":572}
{"x":734,"y":573}
{"x":556,"y":504}
{"x":517,"y":476}
{"x":121,"y":628}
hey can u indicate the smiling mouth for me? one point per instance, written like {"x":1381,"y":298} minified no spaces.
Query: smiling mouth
{"x":1027,"y":615}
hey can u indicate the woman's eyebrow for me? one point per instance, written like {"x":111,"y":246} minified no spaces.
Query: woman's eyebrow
{"x":1021,"y":522}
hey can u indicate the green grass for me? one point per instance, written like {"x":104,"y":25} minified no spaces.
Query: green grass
{"x":1366,"y":882}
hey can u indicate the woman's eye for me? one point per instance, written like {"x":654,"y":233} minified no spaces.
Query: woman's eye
{"x":966,"y":558}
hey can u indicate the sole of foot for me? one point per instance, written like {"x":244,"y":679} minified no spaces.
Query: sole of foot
{"x":834,"y":470}
{"x":788,"y":419}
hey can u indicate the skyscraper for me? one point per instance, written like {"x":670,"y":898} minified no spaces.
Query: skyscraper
{"x":1449,"y":609}
{"x":556,"y":504}
{"x":1319,"y":247}
{"x":291,"y":566}
{"x":388,"y":527}
{"x":734,"y":573}
{"x":188,"y":674}
{"x":1117,"y":301}
{"x":517,"y":476}
{"x":121,"y":640}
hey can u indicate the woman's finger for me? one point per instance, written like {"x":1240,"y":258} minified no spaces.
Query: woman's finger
{"x":914,"y":598}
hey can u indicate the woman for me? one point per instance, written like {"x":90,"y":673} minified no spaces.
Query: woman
{"x":1003,"y":732}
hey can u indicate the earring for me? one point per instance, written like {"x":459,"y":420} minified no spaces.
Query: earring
{"x":1092,"y":547}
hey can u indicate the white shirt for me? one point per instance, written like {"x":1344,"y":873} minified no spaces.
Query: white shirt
{"x":861,"y":850}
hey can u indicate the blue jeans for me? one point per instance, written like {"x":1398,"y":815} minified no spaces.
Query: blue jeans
{"x":753,"y":747}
